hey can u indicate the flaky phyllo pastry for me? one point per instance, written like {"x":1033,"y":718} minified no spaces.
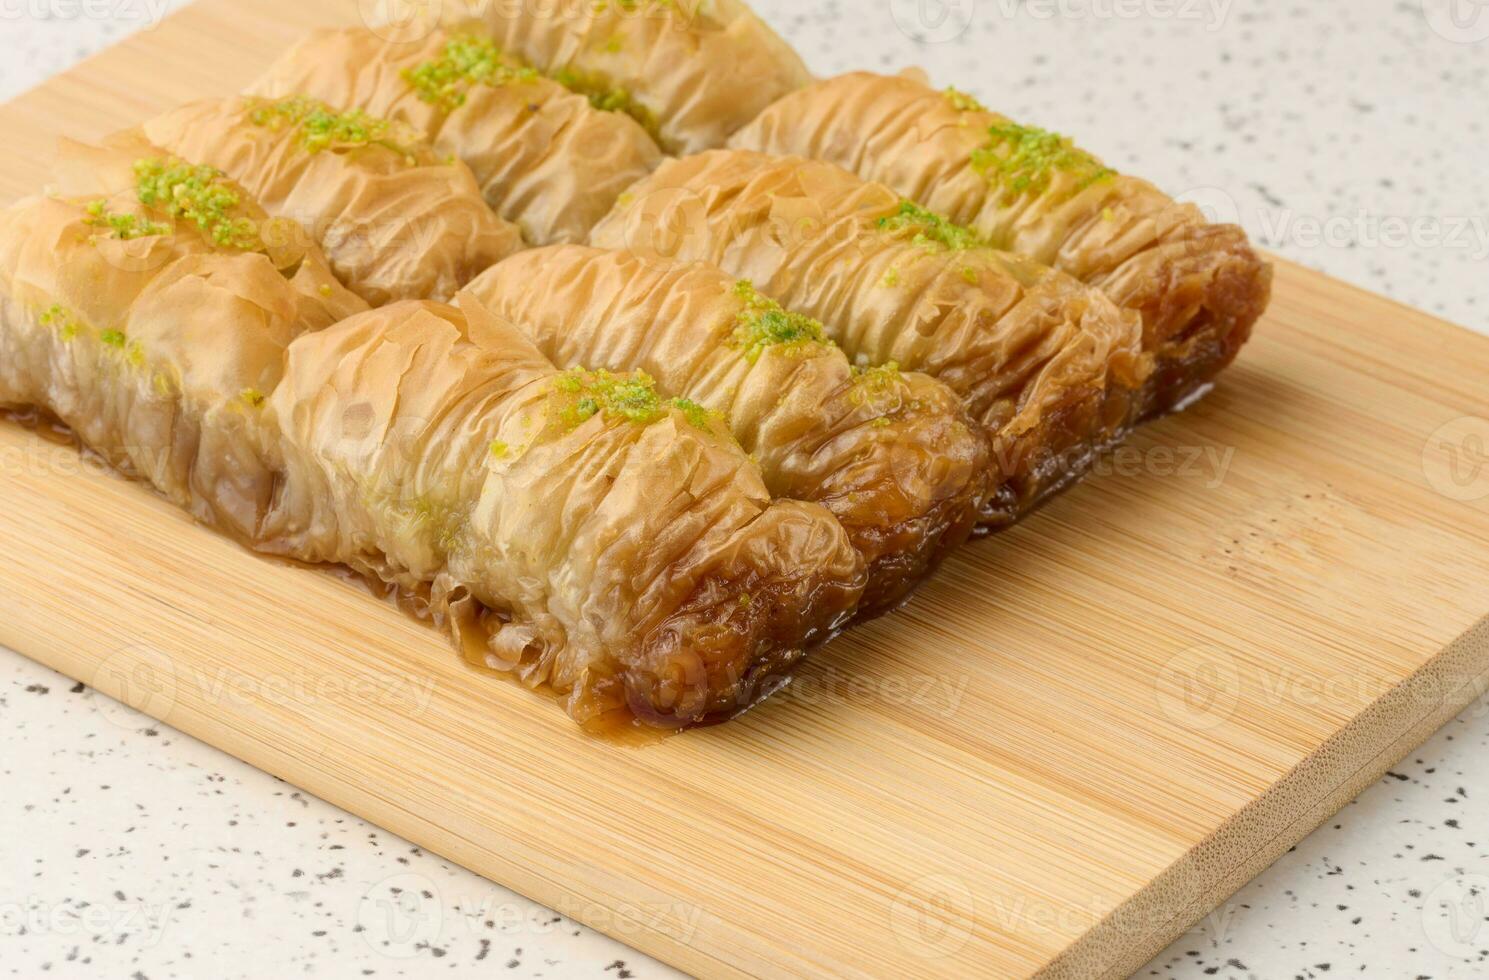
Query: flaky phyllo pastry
{"x":890,"y":453}
{"x":573,"y":528}
{"x":692,"y":71}
{"x":1200,"y":287}
{"x":547,"y":158}
{"x":396,"y":219}
{"x":1049,"y":367}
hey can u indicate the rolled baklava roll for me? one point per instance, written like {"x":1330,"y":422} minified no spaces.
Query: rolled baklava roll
{"x":892,"y":454}
{"x":546,"y":158}
{"x":1200,"y":287}
{"x":396,"y":220}
{"x":1048,"y":366}
{"x":572,"y":528}
{"x":148,"y":305}
{"x":692,"y":71}
{"x":578,"y":530}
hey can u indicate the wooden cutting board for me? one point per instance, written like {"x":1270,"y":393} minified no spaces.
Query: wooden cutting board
{"x":1079,"y":738}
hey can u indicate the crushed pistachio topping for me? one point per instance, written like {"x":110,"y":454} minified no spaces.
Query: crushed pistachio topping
{"x":763,"y":323}
{"x":202,"y":196}
{"x":113,"y":338}
{"x":122,"y":226}
{"x":605,"y":96}
{"x":66,"y":323}
{"x":970,"y":275}
{"x":1024,"y":159}
{"x":321,"y":127}
{"x":500,"y":449}
{"x":697,"y":415}
{"x":879,"y":377}
{"x":465,"y":62}
{"x":929,"y":230}
{"x":964,"y":101}
{"x":252,"y":397}
{"x":633,"y":398}
{"x":892,"y":278}
{"x":621,"y":398}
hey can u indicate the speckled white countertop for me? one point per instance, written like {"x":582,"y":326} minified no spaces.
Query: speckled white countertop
{"x":1348,"y":136}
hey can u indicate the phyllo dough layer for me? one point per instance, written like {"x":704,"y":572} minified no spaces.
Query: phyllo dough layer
{"x":1200,"y":287}
{"x":546,"y":158}
{"x":1050,"y":367}
{"x":892,"y":454}
{"x":396,"y":219}
{"x":581,"y":532}
{"x":156,"y":331}
{"x":692,"y":71}
{"x":572,"y":528}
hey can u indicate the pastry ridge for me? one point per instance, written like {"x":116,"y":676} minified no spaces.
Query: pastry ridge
{"x":1200,"y":287}
{"x":546,"y":159}
{"x":892,"y":454}
{"x":1049,"y":367}
{"x":397,"y":220}
{"x":573,"y":529}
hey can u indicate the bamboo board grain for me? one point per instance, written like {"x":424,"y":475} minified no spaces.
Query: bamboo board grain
{"x":1076,"y":741}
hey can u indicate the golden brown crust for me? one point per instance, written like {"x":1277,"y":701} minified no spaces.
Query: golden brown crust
{"x":1200,"y":287}
{"x":891,"y":454}
{"x":396,"y":221}
{"x":698,"y":71}
{"x":1041,"y":361}
{"x":632,"y":565}
{"x":157,"y":350}
{"x":618,"y":554}
{"x":545,"y":158}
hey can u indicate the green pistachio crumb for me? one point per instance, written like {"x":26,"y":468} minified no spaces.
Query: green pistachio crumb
{"x":763,"y":323}
{"x":252,"y":397}
{"x":202,"y":196}
{"x":585,"y":394}
{"x":970,"y":275}
{"x":320,"y":127}
{"x":113,"y":338}
{"x":499,"y":449}
{"x":697,"y":416}
{"x":963,"y":101}
{"x":466,"y":61}
{"x":122,"y":226}
{"x":929,"y":230}
{"x":605,"y":96}
{"x":879,"y":376}
{"x":1024,"y":159}
{"x":892,"y":278}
